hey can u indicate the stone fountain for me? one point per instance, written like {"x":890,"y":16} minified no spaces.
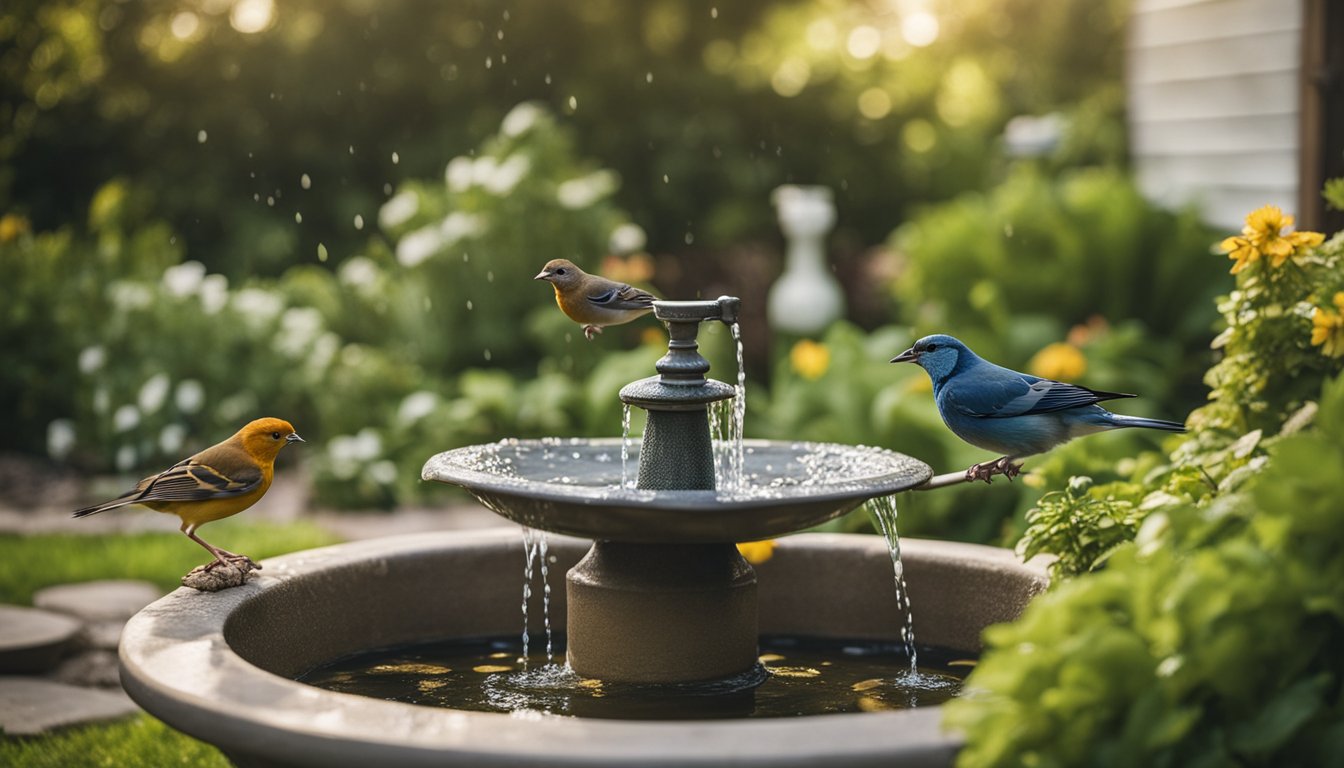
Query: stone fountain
{"x":656,"y":593}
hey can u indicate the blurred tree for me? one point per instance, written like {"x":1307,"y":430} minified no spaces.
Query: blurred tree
{"x":267,"y":129}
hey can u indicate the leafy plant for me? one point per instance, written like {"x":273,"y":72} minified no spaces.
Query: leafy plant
{"x":1210,"y":640}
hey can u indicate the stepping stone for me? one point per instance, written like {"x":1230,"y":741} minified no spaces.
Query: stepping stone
{"x":33,"y":640}
{"x":112,"y":600}
{"x":30,"y":706}
{"x":99,"y":668}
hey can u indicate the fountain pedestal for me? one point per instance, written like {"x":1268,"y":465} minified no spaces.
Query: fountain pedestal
{"x":662,"y":613}
{"x":675,"y":612}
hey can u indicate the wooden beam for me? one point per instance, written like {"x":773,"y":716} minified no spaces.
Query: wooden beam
{"x":1322,"y":115}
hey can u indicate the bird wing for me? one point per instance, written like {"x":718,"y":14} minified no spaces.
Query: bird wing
{"x":996,"y":393}
{"x":621,"y":296}
{"x":215,"y":473}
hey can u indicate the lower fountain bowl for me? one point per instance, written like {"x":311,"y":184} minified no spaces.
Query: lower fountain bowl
{"x":220,"y":667}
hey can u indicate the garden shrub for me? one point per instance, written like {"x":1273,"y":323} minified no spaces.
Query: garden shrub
{"x":1212,"y":640}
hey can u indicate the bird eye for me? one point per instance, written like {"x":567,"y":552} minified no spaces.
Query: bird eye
{"x":560,"y":271}
{"x":275,"y":435}
{"x":932,"y":347}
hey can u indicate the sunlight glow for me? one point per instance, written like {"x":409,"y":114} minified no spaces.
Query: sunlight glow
{"x":920,"y":28}
{"x":251,"y":16}
{"x":864,"y":42}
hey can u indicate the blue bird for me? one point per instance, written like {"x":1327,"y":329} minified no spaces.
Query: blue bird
{"x":1015,"y":414}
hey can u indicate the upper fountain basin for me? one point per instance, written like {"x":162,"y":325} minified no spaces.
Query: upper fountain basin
{"x":573,"y":486}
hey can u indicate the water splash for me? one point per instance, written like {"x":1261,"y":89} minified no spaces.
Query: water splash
{"x":535,"y":545}
{"x":883,"y":509}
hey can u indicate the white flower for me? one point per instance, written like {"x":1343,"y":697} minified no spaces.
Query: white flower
{"x":299,"y":327}
{"x":417,"y":406}
{"x":586,"y":190}
{"x":183,"y":279}
{"x":521,"y":119}
{"x":171,"y":438}
{"x":359,"y":272}
{"x":126,"y":418}
{"x":61,"y":438}
{"x":399,"y":209}
{"x":214,"y":293}
{"x":458,"y":225}
{"x":153,"y":393}
{"x":627,"y":238}
{"x":257,"y":305}
{"x":419,"y":245}
{"x":458,"y":174}
{"x":382,"y":472}
{"x":322,"y":352}
{"x":127,"y":295}
{"x":92,"y":358}
{"x":190,"y":396}
{"x":501,"y":178}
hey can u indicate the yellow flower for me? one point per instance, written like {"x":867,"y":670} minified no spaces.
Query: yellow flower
{"x":1264,"y":235}
{"x":757,"y":552}
{"x":1327,"y":328}
{"x":11,"y":226}
{"x":810,"y":359}
{"x":1061,"y":361}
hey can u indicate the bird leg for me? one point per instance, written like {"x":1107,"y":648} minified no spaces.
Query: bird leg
{"x":222,"y":556}
{"x":985,"y":470}
{"x":589,"y":331}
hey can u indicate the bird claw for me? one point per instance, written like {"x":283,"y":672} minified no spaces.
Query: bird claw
{"x":241,"y":562}
{"x":589,"y":331}
{"x":986,"y":470}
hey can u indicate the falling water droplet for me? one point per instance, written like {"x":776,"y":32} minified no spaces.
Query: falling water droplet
{"x":665,"y":179}
{"x":487,"y":355}
{"x":352,"y":149}
{"x":359,"y":221}
{"x":648,"y":77}
{"x":713,"y":13}
{"x":396,"y":158}
{"x":470,"y":306}
{"x":298,"y":217}
{"x":573,"y":103}
{"x":201,"y":136}
{"x":305,"y":181}
{"x":321,"y":252}
{"x":270,"y":201}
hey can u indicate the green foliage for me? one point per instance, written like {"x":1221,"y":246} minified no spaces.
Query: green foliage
{"x":1211,"y":640}
{"x":29,"y":563}
{"x":1081,"y":525}
{"x":1334,"y":193}
{"x":141,"y":742}
{"x":1260,"y":390}
{"x":223,"y":124}
{"x":1047,"y":253}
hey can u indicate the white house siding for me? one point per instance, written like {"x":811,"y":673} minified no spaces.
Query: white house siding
{"x":1214,"y":102}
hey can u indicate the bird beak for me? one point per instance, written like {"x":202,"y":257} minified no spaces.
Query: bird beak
{"x":542,"y":275}
{"x":908,"y":356}
{"x":293,"y":437}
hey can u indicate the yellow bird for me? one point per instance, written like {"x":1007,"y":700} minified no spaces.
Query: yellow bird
{"x":593,"y":301}
{"x":216,"y":483}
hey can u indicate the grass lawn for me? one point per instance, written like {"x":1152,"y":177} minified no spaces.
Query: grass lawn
{"x":28,"y":563}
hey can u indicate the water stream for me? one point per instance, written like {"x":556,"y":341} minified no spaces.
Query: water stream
{"x":883,"y":509}
{"x":625,"y":447}
{"x":535,"y":550}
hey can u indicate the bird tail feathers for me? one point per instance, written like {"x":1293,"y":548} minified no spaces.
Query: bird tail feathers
{"x":1139,"y":421}
{"x":106,"y":505}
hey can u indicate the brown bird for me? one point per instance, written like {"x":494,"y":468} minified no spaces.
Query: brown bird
{"x":592,"y":301}
{"x":216,"y":483}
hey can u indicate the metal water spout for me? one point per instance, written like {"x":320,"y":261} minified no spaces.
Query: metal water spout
{"x":677,"y":451}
